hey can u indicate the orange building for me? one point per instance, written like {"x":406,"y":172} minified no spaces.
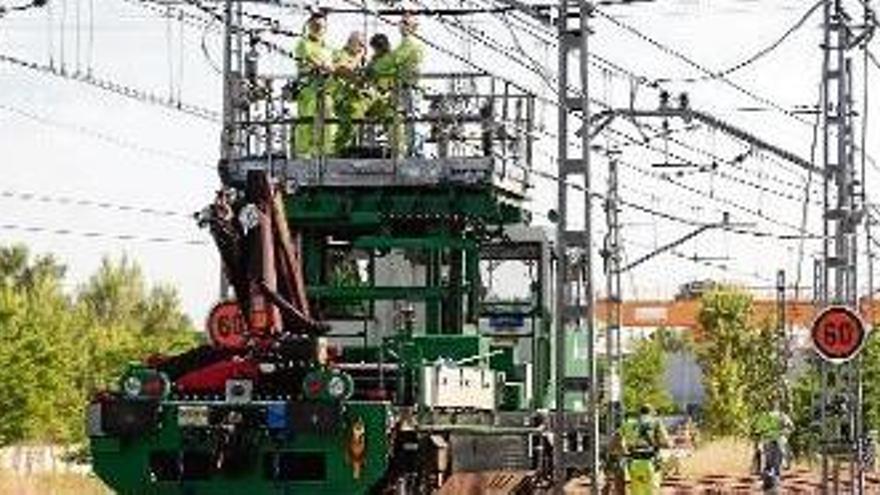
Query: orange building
{"x":683,"y":314}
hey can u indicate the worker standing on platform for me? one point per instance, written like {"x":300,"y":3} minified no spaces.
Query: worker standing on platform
{"x":349,"y":94}
{"x":381,"y":74}
{"x":408,"y":57}
{"x":314,"y":64}
{"x":635,"y":454}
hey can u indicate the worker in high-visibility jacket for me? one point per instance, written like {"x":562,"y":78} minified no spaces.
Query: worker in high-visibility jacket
{"x":770,"y":431}
{"x":350,"y":96}
{"x":313,"y":102}
{"x":381,"y":74}
{"x":635,"y":451}
{"x":408,"y":57}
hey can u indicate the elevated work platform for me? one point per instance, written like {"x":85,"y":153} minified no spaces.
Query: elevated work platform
{"x":363,"y":173}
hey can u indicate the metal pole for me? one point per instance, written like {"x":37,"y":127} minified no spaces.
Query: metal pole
{"x":226,"y":146}
{"x":226,"y":134}
{"x":840,"y":383}
{"x":562,"y":261}
{"x":613,"y":352}
{"x":573,"y":246}
{"x":585,"y":13}
{"x":782,"y":341}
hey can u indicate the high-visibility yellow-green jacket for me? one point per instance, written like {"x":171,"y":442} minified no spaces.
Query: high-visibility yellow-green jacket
{"x":349,"y":91}
{"x":644,"y":435}
{"x":382,"y":72}
{"x":311,"y":56}
{"x":772,"y":425}
{"x":408,"y":57}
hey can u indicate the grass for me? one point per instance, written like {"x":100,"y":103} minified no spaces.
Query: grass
{"x":729,"y":456}
{"x":51,"y":484}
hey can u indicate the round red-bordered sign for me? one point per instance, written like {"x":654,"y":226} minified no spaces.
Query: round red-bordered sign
{"x":838,"y":333}
{"x":226,"y":326}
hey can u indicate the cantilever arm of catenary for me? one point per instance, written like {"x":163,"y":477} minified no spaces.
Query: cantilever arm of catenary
{"x":602,"y":119}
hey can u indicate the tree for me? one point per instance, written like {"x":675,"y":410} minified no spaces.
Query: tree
{"x":125,"y":321}
{"x":38,"y":350}
{"x":19,"y":271}
{"x":115,"y":293}
{"x":57,"y":349}
{"x":727,"y":355}
{"x":644,"y":371}
{"x":805,"y":411}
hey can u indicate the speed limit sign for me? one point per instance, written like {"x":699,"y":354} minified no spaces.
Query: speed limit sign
{"x":838,"y":333}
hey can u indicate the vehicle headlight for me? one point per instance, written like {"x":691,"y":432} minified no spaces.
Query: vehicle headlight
{"x":336,"y":387}
{"x":132,"y":386}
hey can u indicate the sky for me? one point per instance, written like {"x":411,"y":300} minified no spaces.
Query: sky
{"x":89,"y":174}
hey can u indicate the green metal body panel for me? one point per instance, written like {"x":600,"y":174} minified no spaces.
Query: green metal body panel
{"x":123,"y":464}
{"x":442,"y":223}
{"x":513,"y":396}
{"x":371,"y":208}
{"x":443,"y":227}
{"x":419,"y":350}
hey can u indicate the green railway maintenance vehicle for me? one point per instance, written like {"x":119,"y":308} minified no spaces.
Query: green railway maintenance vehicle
{"x":372,"y":341}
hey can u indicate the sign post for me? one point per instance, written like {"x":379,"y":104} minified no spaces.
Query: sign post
{"x":838,"y":334}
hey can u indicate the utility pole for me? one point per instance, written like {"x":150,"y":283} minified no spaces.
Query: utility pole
{"x":227,"y":136}
{"x":841,"y":402}
{"x":574,"y":250}
{"x":232,"y":61}
{"x":782,"y":342}
{"x":613,"y":352}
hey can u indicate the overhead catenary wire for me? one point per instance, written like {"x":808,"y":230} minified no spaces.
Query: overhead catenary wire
{"x":101,"y":136}
{"x":700,"y":67}
{"x":41,"y":197}
{"x":98,"y":234}
{"x":61,"y":37}
{"x":90,"y":52}
{"x":531,"y":66}
{"x":127,"y":91}
{"x":767,"y":50}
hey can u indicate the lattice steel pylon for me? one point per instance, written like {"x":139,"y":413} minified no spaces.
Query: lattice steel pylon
{"x":574,"y":303}
{"x":613,"y":256}
{"x":841,"y":408}
{"x":230,"y":138}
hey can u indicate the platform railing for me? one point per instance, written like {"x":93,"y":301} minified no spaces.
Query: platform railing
{"x":451,"y":118}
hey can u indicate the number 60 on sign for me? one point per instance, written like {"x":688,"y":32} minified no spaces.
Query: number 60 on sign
{"x":838,"y":333}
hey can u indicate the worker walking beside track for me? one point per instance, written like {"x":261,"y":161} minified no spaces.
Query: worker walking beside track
{"x":770,"y":432}
{"x":313,"y":101}
{"x":635,"y":454}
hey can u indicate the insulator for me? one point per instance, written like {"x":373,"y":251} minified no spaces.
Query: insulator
{"x":250,"y":64}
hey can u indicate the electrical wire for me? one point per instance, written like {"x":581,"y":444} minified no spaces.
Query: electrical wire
{"x":83,"y":202}
{"x":91,"y":39}
{"x":62,"y":36}
{"x":696,"y":65}
{"x":693,"y":259}
{"x":805,"y":210}
{"x":107,"y":138}
{"x":77,"y":35}
{"x":97,"y":234}
{"x":466,"y":61}
{"x":130,"y":92}
{"x":506,"y":52}
{"x":769,"y":48}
